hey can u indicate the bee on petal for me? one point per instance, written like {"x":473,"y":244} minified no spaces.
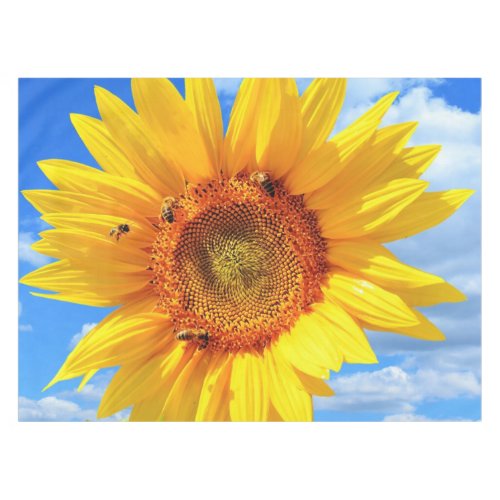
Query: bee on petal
{"x":118,"y":231}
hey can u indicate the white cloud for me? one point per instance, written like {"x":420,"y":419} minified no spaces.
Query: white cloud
{"x":394,"y":390}
{"x":451,"y":359}
{"x":88,"y":398}
{"x":460,"y":323}
{"x":34,"y":223}
{"x":458,"y":131}
{"x":23,"y":327}
{"x":27,"y":254}
{"x":51,"y":409}
{"x":412,"y":417}
{"x":90,"y":392}
{"x":78,"y":336}
{"x":406,"y":417}
{"x":54,"y":409}
{"x":469,"y":283}
{"x":362,"y":93}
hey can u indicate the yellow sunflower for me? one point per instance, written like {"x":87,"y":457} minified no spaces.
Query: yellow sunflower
{"x":245,"y":266}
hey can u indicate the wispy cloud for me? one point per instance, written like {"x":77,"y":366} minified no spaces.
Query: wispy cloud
{"x":394,"y":390}
{"x":34,"y":224}
{"x":27,"y":254}
{"x":51,"y":409}
{"x":54,"y":409}
{"x":79,"y":336}
{"x":458,"y":131}
{"x":412,"y":417}
{"x":23,"y":327}
{"x":71,"y":405}
{"x":92,"y":391}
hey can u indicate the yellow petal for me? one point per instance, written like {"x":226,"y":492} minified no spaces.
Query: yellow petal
{"x":366,"y":167}
{"x":431,"y":295}
{"x":182,"y":402}
{"x":100,"y":250}
{"x":45,"y":248}
{"x":279,"y":126}
{"x":240,"y":141}
{"x":265,"y":127}
{"x":138,"y":382}
{"x":368,"y":302}
{"x":131,"y":383}
{"x":411,"y":163}
{"x":62,"y":276}
{"x":93,"y":299}
{"x":373,"y":116}
{"x":169,"y":118}
{"x":274,"y":416}
{"x":291,"y":401}
{"x":149,"y":409}
{"x":371,"y":260}
{"x":315,"y":170}
{"x":212,"y":397}
{"x":320,"y":105}
{"x":99,"y":142}
{"x":310,"y":336}
{"x":86,"y":378}
{"x":51,"y":201}
{"x":427,"y":211}
{"x":128,"y":131}
{"x":349,"y":338}
{"x":352,"y":143}
{"x":71,"y":176}
{"x":424,"y":329}
{"x":250,"y":387}
{"x":302,"y":359}
{"x":117,"y":342}
{"x":362,"y":216}
{"x":201,"y":98}
{"x":314,"y":385}
{"x":141,"y":234}
{"x":142,"y":305}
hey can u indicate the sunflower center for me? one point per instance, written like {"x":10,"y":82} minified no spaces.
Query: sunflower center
{"x":237,"y":262}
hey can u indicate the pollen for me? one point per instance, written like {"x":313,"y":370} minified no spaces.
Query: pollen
{"x":237,"y":262}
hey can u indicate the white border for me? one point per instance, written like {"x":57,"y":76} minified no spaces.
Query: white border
{"x":222,"y":38}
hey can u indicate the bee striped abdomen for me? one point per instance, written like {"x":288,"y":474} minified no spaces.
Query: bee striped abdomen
{"x":265,"y":182}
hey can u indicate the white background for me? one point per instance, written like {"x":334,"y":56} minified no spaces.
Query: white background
{"x":262,"y":38}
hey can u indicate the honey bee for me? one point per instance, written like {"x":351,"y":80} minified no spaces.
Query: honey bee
{"x":201,"y":337}
{"x":167,"y":214}
{"x":118,"y":231}
{"x":264,"y":179}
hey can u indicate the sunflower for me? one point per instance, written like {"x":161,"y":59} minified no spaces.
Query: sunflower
{"x":245,"y":266}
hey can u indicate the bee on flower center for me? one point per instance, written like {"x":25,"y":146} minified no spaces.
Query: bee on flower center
{"x":265,"y":182}
{"x":201,"y":337}
{"x":167,"y":213}
{"x":118,"y":231}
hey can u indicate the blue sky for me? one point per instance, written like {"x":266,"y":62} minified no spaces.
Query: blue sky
{"x":414,"y":380}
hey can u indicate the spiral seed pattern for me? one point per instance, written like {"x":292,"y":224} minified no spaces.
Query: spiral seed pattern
{"x":238,"y":263}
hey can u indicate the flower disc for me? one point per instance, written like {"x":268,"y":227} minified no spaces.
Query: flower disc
{"x":238,"y":262}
